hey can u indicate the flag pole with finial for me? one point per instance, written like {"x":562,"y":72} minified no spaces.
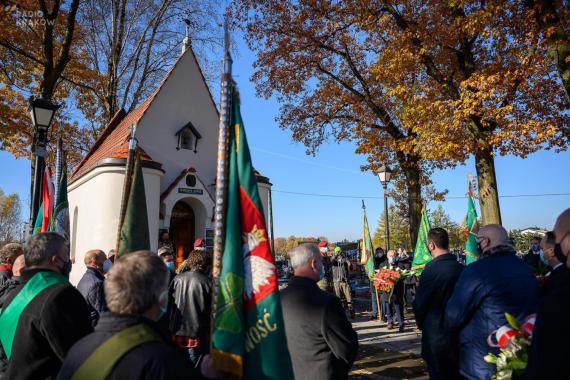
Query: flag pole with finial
{"x":222,"y":168}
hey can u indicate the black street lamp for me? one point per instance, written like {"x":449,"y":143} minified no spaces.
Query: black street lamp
{"x":41,"y":112}
{"x":385,"y":174}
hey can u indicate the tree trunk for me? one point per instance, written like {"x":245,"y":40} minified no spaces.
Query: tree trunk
{"x":487,"y":183}
{"x":411,"y":171}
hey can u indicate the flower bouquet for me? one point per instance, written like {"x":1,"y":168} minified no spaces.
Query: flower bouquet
{"x":513,"y":341}
{"x":385,"y":279}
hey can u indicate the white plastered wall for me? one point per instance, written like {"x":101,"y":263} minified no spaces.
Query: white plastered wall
{"x":202,"y":204}
{"x":94,"y":204}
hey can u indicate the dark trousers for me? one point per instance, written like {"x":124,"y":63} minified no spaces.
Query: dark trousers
{"x":392,"y":308}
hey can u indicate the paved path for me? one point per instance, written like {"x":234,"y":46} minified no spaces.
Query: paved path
{"x":387,"y":354}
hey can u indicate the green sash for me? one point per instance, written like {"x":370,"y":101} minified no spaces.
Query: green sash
{"x":10,"y":316}
{"x":101,"y":362}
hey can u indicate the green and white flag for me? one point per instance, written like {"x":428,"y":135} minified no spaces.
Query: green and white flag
{"x":422,"y":255}
{"x":248,"y":340}
{"x":471,"y":229}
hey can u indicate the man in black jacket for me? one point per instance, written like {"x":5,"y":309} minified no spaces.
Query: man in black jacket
{"x":36,"y":335}
{"x":127,"y":339}
{"x":190,"y":312}
{"x":439,"y":346}
{"x":91,"y":284}
{"x":321,"y":340}
{"x":550,"y":352}
{"x":559,"y":272}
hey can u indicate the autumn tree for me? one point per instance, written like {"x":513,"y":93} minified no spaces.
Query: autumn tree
{"x":10,"y":220}
{"x":552,"y":18}
{"x":318,"y":60}
{"x":40,"y":56}
{"x":134,"y":43}
{"x":475,"y":78}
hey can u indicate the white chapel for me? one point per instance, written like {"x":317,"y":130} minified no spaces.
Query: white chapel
{"x":177,"y":130}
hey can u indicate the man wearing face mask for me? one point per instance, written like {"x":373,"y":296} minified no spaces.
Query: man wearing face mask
{"x":127,"y":343}
{"x":91,"y":284}
{"x":532,"y":258}
{"x":321,"y":340}
{"x":497,"y":283}
{"x":550,"y":351}
{"x":439,"y":346}
{"x":341,"y":279}
{"x":45,"y":315}
{"x":558,"y":273}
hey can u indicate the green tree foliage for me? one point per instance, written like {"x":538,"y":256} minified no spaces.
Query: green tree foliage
{"x":10,"y":222}
{"x":440,"y":218}
{"x":399,"y":230}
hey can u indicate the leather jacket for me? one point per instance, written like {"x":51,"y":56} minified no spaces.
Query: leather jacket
{"x":190,"y":312}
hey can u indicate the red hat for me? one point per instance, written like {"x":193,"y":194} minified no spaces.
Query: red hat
{"x":199,"y":243}
{"x":323,"y":243}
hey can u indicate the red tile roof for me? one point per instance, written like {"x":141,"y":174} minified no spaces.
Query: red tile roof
{"x":113,"y":141}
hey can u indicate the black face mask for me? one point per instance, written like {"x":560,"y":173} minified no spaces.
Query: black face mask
{"x":558,"y":253}
{"x":66,"y":269}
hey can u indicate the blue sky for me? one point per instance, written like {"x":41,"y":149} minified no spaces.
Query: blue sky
{"x":336,"y":170}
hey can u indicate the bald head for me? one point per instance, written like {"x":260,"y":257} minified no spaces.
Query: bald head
{"x":562,"y":231}
{"x":492,"y":235}
{"x":95,"y":259}
{"x":19,"y":266}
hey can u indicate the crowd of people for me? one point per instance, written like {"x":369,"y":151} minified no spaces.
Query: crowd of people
{"x":458,"y":308}
{"x":138,"y":318}
{"x":132,"y":318}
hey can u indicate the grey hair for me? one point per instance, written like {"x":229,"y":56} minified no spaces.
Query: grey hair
{"x":135,"y":283}
{"x":302,"y":254}
{"x":39,"y":248}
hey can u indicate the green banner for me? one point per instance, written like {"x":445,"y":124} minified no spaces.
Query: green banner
{"x":471,"y":229}
{"x":134,"y":231}
{"x":248,"y":340}
{"x":422,"y":255}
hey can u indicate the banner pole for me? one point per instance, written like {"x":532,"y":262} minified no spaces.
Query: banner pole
{"x":378,"y":306}
{"x":127,"y":185}
{"x":221,"y":172}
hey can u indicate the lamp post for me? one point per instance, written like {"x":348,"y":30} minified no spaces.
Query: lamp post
{"x":41,"y":112}
{"x":385,"y":174}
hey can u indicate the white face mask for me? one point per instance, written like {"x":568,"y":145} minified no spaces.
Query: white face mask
{"x":107,"y":264}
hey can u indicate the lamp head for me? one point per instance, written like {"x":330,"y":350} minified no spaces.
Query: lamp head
{"x":42,"y":112}
{"x":384,"y":174}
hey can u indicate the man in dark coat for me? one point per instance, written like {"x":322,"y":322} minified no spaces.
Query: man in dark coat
{"x":394,"y":302}
{"x":127,"y":339}
{"x":8,"y":254}
{"x":341,"y":279}
{"x":496,"y":284}
{"x":91,"y":284}
{"x":439,"y":346}
{"x":192,"y":301}
{"x":532,"y":257}
{"x":558,"y":274}
{"x":550,"y":351}
{"x":55,"y":318}
{"x":321,"y":340}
